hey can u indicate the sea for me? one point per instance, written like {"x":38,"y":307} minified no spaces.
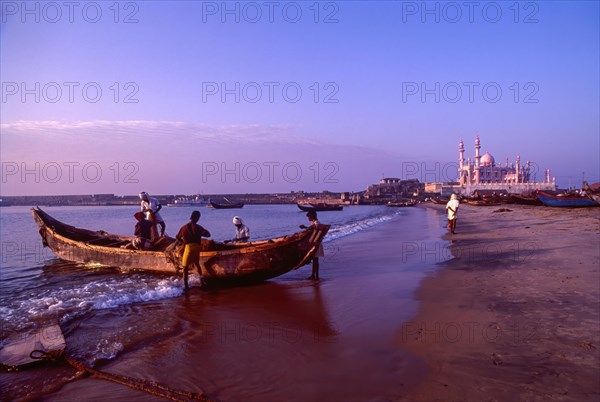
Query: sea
{"x":286,"y":339}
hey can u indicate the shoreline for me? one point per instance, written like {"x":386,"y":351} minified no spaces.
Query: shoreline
{"x":515,"y":315}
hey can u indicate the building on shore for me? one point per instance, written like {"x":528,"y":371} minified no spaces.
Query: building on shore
{"x":392,"y":189}
{"x":483,"y":173}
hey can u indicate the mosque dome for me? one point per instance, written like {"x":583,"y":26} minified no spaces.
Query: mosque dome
{"x":487,"y":160}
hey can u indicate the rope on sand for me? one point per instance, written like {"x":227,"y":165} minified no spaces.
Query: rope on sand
{"x":135,"y":383}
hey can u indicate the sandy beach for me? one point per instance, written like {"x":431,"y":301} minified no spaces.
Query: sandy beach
{"x":516,"y":314}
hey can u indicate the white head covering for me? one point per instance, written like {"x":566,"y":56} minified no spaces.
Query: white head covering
{"x":237,"y":220}
{"x":453,"y":197}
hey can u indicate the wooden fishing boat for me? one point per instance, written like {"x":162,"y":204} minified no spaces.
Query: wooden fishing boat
{"x":220,"y":263}
{"x":230,"y":205}
{"x":595,"y":197}
{"x":522,"y":200}
{"x":439,"y":201}
{"x":592,"y":191}
{"x":321,"y":206}
{"x":483,"y":203}
{"x":566,"y":201}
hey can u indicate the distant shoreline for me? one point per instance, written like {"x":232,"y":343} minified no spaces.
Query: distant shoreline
{"x":346,"y":198}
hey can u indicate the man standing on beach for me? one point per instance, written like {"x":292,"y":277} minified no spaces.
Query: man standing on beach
{"x":191,"y":235}
{"x":312,"y":217}
{"x":452,"y":207}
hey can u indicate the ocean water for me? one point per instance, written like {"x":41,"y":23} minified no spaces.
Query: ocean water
{"x":125,"y":317}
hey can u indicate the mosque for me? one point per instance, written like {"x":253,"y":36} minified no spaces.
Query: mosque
{"x":484,"y":174}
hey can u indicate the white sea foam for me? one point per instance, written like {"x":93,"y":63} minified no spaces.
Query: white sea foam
{"x":354,"y":227}
{"x":66,"y":303}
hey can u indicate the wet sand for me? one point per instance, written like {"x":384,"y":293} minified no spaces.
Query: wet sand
{"x":516,"y":315}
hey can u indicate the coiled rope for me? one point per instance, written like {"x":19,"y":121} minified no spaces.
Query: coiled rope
{"x":149,"y":387}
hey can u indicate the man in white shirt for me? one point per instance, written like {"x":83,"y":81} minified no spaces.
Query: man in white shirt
{"x":452,"y":208}
{"x":150,"y":206}
{"x":242,"y":233}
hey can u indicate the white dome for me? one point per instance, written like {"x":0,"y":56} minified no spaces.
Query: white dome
{"x":487,"y":160}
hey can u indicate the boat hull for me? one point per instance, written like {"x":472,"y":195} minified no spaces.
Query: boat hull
{"x":226,"y":206}
{"x":320,"y":207}
{"x":550,"y":200}
{"x":220,"y":263}
{"x":516,"y":199}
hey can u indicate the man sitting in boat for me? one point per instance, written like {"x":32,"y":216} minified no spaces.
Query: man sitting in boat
{"x":190,"y":235}
{"x":150,"y":206}
{"x":242,"y":232}
{"x":142,"y":233}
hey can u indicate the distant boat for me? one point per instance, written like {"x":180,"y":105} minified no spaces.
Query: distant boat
{"x":230,"y":205}
{"x":439,"y":201}
{"x":519,"y":199}
{"x":321,"y":206}
{"x":184,"y":202}
{"x":410,"y":203}
{"x":566,"y":201}
{"x":592,"y":191}
{"x":483,"y":203}
{"x":595,"y":197}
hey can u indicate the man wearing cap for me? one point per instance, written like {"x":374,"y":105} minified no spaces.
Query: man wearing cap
{"x":191,"y":235}
{"x":150,"y":206}
{"x":242,"y":232}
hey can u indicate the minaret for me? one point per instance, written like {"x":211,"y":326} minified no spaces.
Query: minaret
{"x":518,"y":169}
{"x":477,"y":148}
{"x":547,"y":175}
{"x":461,"y":153}
{"x":477,"y":158}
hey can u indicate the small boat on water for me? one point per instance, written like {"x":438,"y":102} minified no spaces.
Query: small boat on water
{"x":321,"y":206}
{"x":566,"y":200}
{"x":230,"y":205}
{"x":220,"y":263}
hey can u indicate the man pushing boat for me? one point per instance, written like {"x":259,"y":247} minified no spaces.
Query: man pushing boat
{"x":190,"y":235}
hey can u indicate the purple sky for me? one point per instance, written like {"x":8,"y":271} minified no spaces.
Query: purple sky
{"x":187,"y":97}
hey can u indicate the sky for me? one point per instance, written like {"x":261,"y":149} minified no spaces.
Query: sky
{"x":277,"y":96}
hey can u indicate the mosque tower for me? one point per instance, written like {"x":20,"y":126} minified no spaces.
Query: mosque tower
{"x":461,"y":152}
{"x":477,"y":158}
